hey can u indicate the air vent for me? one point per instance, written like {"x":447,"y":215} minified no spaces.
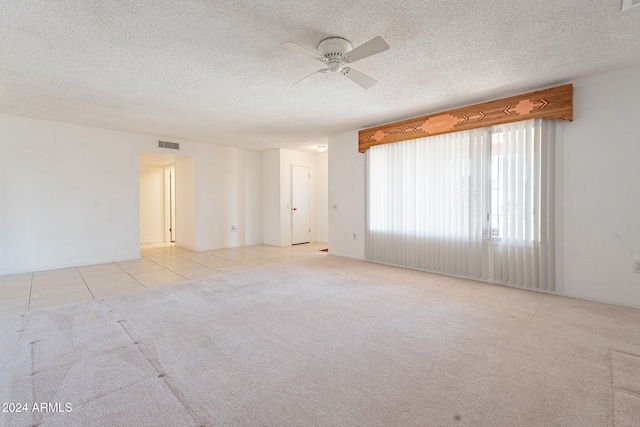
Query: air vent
{"x":172,"y":145}
{"x":628,"y":4}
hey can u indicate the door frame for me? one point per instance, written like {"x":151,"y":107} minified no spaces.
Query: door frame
{"x":170,"y":203}
{"x":293,"y":208}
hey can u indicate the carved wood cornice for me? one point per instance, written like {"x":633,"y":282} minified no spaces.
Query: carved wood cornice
{"x":555,"y":103}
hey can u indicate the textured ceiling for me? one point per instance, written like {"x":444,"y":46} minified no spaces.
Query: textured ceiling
{"x":214,"y":71}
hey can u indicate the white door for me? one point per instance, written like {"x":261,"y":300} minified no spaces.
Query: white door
{"x":300,"y":215}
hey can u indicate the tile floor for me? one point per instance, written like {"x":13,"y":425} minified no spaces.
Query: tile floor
{"x":160,"y":265}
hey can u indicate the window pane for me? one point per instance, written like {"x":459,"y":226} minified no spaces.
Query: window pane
{"x":513,"y":186}
{"x":497,"y":185}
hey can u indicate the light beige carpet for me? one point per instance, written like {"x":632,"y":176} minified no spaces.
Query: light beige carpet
{"x":324,"y":342}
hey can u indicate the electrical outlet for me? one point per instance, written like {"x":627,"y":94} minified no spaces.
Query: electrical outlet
{"x":355,"y":236}
{"x":636,"y":265}
{"x":335,"y":207}
{"x":234,"y":228}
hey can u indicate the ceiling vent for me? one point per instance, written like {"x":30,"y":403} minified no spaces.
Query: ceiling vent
{"x":175,"y":145}
{"x":628,"y":4}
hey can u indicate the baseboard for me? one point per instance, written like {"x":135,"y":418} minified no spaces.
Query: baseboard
{"x":595,"y":298}
{"x":346,"y":256}
{"x":576,"y":295}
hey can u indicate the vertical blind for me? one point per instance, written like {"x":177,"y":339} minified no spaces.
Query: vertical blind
{"x":477,"y":204}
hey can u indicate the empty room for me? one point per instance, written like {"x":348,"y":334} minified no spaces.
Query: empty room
{"x":281,"y":213}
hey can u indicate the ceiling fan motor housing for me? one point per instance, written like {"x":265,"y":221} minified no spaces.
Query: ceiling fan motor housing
{"x":334,"y":49}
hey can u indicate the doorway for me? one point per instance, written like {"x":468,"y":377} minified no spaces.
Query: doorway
{"x":158,"y":202}
{"x":300,"y":205}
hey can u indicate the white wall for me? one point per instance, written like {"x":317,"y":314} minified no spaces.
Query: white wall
{"x":228,"y":193}
{"x":271,"y":197}
{"x":598,"y":201}
{"x":70,"y":195}
{"x":186,"y":211}
{"x":601,"y":220}
{"x":151,"y":204}
{"x":322,"y":197}
{"x":347,"y":212}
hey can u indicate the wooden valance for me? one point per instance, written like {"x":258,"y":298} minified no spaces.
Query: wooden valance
{"x":555,"y":103}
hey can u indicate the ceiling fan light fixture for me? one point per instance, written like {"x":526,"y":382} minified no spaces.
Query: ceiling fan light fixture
{"x":334,"y":66}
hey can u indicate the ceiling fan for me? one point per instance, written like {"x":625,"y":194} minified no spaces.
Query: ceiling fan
{"x":337,"y":53}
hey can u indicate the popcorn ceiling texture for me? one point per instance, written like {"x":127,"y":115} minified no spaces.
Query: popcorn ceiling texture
{"x":214,"y":71}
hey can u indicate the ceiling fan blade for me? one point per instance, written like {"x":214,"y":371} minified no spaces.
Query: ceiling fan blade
{"x":373,"y":46}
{"x":357,"y":77}
{"x":303,"y":50}
{"x":310,"y":78}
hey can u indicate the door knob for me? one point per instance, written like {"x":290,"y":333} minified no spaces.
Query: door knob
{"x":295,"y":209}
